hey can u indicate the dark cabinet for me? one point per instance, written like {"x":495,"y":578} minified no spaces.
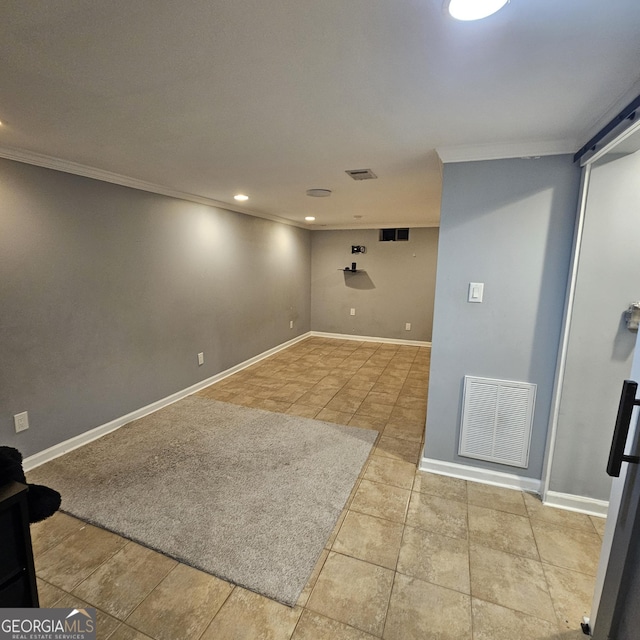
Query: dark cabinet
{"x":17,"y":571}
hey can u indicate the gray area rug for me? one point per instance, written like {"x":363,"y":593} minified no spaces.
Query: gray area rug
{"x":244,"y":494}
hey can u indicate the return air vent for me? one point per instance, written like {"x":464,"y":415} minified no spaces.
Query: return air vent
{"x":391,"y":235}
{"x":496,"y":420}
{"x":362,"y":174}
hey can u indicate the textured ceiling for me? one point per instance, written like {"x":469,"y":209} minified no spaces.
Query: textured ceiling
{"x":216,"y":97}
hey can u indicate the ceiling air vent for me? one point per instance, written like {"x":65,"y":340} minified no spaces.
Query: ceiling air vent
{"x":362,"y":174}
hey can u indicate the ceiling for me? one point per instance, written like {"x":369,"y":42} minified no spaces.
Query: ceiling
{"x":214,"y":97}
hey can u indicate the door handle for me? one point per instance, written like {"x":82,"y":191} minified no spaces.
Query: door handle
{"x":625,"y":410}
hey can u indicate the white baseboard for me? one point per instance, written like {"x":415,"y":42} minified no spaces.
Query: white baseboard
{"x":581,"y":504}
{"x":60,"y":449}
{"x":343,"y":336}
{"x":477,"y":474}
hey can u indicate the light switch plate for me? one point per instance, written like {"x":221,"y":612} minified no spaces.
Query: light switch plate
{"x":476,"y":291}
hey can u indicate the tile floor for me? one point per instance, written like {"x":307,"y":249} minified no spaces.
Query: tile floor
{"x":413,"y":555}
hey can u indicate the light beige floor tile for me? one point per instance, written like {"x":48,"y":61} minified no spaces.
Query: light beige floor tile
{"x":214,"y":393}
{"x":78,"y":556}
{"x":311,"y":582}
{"x":371,"y":539}
{"x":414,"y":391}
{"x":120,"y":584}
{"x":404,"y":431}
{"x":421,"y":610}
{"x":493,"y":622}
{"x":409,"y":416}
{"x":387,"y":397}
{"x":313,"y":626}
{"x":247,"y":615}
{"x":201,"y":596}
{"x":435,"y":558}
{"x":387,"y":384}
{"x":504,"y":531}
{"x":388,"y":471}
{"x":397,"y":449}
{"x":498,"y":498}
{"x":52,"y":531}
{"x":568,"y":548}
{"x":510,"y":581}
{"x":353,"y":592}
{"x":381,"y":501}
{"x":345,"y":402}
{"x":336,"y":529}
{"x":303,"y":410}
{"x":440,"y":486}
{"x":332,"y":381}
{"x":560,"y":517}
{"x":125,"y":632}
{"x":105,"y":624}
{"x":290,"y":392}
{"x":367,"y":422}
{"x":362,"y":382}
{"x":599,"y":524}
{"x":267,"y":404}
{"x":411,"y":402}
{"x":375,"y":409}
{"x":48,"y":594}
{"x":571,"y":594}
{"x":338,"y":417}
{"x":439,"y":515}
{"x":317,"y":397}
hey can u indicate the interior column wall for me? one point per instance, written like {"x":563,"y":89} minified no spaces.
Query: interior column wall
{"x":508,"y":224}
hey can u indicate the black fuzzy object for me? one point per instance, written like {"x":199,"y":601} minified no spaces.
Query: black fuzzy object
{"x":42,"y":501}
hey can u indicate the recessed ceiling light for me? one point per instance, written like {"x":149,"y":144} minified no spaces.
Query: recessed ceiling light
{"x":472,"y":9}
{"x":240,"y":197}
{"x":309,"y":218}
{"x":319,"y":193}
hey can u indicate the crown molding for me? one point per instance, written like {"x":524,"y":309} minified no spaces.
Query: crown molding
{"x":66,"y":166}
{"x":374,"y":225}
{"x":500,"y":151}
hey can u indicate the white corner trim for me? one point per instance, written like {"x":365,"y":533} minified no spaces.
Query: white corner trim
{"x":66,"y":166}
{"x":492,"y":151}
{"x":344,"y":336}
{"x":478,"y":474}
{"x":581,"y":504}
{"x":93,"y":434}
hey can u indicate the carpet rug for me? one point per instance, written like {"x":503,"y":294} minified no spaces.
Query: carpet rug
{"x":247,"y":495}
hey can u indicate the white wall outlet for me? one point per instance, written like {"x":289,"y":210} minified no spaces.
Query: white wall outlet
{"x":407,"y":326}
{"x":476,"y":291}
{"x":21,"y":421}
{"x":353,"y":312}
{"x":290,"y":324}
{"x":201,"y":358}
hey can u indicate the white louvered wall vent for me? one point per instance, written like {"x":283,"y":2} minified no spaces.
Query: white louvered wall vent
{"x":496,"y":420}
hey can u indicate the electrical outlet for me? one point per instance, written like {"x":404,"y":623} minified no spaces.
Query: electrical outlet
{"x":407,"y":326}
{"x":353,"y":312}
{"x":290,"y":324}
{"x":201,"y":358}
{"x":21,"y":421}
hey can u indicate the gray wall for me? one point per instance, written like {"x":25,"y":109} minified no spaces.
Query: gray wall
{"x":600,"y":346}
{"x":396,"y":284}
{"x":509,"y":224}
{"x":107,"y":294}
